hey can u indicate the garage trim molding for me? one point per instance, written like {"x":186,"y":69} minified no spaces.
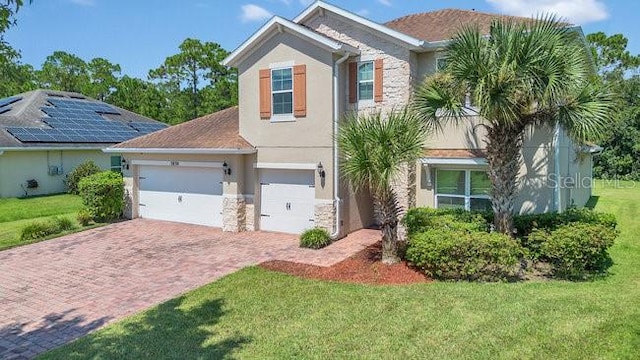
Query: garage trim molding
{"x":285,"y":166}
{"x":177,"y":163}
{"x":179,"y":151}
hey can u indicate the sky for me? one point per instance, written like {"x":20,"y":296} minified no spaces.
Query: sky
{"x":140,"y":34}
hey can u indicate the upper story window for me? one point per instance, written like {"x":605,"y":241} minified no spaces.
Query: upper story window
{"x":365,"y":80}
{"x":282,"y":91}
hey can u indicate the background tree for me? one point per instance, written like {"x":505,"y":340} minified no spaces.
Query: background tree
{"x":139,"y":96}
{"x":374,"y":151}
{"x":195,"y":79}
{"x":16,"y":77}
{"x":65,"y":72}
{"x":619,"y":69}
{"x":103,"y":78}
{"x":521,"y":75}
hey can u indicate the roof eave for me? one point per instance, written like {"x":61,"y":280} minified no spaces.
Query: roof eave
{"x":282,"y":25}
{"x":413,"y":43}
{"x":206,"y":151}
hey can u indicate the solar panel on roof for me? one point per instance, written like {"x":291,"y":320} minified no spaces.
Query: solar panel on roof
{"x":147,"y":127}
{"x":10,"y":100}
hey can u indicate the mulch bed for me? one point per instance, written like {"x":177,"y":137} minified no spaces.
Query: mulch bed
{"x":364,"y":267}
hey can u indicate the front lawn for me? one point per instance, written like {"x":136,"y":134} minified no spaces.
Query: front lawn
{"x":255,"y":313}
{"x":15,"y":213}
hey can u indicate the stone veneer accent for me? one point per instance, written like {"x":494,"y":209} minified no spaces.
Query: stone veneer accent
{"x":324,"y":215}
{"x":233,"y":214}
{"x":128,"y":197}
{"x":400,"y":65}
{"x":250,"y":217}
{"x":400,"y":76}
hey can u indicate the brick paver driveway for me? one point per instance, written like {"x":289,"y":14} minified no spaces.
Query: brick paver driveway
{"x":55,"y":291}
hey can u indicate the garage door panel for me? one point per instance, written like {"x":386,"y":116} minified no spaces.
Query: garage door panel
{"x":287,"y":200}
{"x":181,"y":194}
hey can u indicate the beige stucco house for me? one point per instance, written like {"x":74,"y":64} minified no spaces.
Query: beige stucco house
{"x":272,"y":164}
{"x":45,"y":134}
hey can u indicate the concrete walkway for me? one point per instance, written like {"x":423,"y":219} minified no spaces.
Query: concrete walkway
{"x":58,"y":290}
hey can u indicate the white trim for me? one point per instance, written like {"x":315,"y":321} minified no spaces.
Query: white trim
{"x":200,"y":164}
{"x":453,"y":161}
{"x":285,"y":166}
{"x":283,"y":64}
{"x":414,"y":43}
{"x":284,"y":25}
{"x":49,"y":148}
{"x":211,"y":151}
{"x":233,"y":196}
{"x":324,"y":201}
{"x":283,"y":116}
{"x":372,"y":81}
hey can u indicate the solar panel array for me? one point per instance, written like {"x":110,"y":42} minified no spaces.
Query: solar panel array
{"x":4,"y":103}
{"x":73,"y":121}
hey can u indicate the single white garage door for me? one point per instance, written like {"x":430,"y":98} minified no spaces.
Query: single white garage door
{"x":183,"y":194}
{"x":287,"y":199}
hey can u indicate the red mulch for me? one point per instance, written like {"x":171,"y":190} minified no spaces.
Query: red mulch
{"x":364,"y":267}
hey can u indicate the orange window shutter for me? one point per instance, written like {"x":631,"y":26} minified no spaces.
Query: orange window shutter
{"x":300,"y":90}
{"x":353,"y":82}
{"x":378,"y":80}
{"x":265,"y":94}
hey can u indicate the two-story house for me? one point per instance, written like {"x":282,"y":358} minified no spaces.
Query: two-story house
{"x":272,"y":164}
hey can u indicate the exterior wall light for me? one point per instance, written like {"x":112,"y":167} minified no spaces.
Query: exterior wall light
{"x":321,"y":171}
{"x":226,"y":169}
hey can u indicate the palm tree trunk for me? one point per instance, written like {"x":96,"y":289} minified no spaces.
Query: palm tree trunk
{"x":386,"y":208}
{"x":504,"y":145}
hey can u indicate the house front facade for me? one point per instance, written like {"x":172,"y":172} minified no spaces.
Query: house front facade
{"x":272,"y":164}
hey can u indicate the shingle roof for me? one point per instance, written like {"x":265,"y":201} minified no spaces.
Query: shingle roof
{"x":444,"y":24}
{"x":454,"y":153}
{"x":28,"y":113}
{"x":219,"y":130}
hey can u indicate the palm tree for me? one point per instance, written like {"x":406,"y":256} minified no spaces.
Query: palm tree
{"x":375,"y":151}
{"x":522,"y":74}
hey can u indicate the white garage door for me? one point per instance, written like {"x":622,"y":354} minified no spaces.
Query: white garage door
{"x":183,"y":194}
{"x":287,"y":200}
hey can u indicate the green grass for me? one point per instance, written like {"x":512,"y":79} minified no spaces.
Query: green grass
{"x":15,"y":213}
{"x":255,"y":313}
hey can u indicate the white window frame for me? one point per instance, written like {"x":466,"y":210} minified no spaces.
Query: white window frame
{"x":372,"y":81}
{"x":467,"y":187}
{"x":282,"y":117}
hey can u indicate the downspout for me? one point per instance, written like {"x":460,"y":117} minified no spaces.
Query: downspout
{"x":336,"y":161}
{"x":556,"y":166}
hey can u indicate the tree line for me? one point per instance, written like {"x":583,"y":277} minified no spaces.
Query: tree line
{"x":193,"y":83}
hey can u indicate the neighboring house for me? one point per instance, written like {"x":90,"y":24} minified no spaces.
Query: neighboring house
{"x":271,"y":163}
{"x":45,"y":134}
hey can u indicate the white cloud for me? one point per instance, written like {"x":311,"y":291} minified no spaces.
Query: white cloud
{"x":576,"y":11}
{"x":84,"y":2}
{"x":385,"y":2}
{"x":363,"y":12}
{"x":252,"y":12}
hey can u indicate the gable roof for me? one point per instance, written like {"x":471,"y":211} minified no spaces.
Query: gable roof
{"x":213,"y":133}
{"x":443,"y":24}
{"x":321,"y":6}
{"x":59,"y":119}
{"x":278,"y":25}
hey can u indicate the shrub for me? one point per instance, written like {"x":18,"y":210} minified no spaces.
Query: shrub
{"x":422,"y":219}
{"x":577,"y":249}
{"x":84,"y":217}
{"x":525,"y":224}
{"x":464,"y":255}
{"x":83,"y":170}
{"x":315,"y":238}
{"x":103,"y":195}
{"x":41,"y":229}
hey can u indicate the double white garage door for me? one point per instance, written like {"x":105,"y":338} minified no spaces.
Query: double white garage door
{"x":190,"y":195}
{"x":194,"y":195}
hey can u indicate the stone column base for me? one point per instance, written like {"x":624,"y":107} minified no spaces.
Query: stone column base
{"x":324,"y":215}
{"x":233,"y":214}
